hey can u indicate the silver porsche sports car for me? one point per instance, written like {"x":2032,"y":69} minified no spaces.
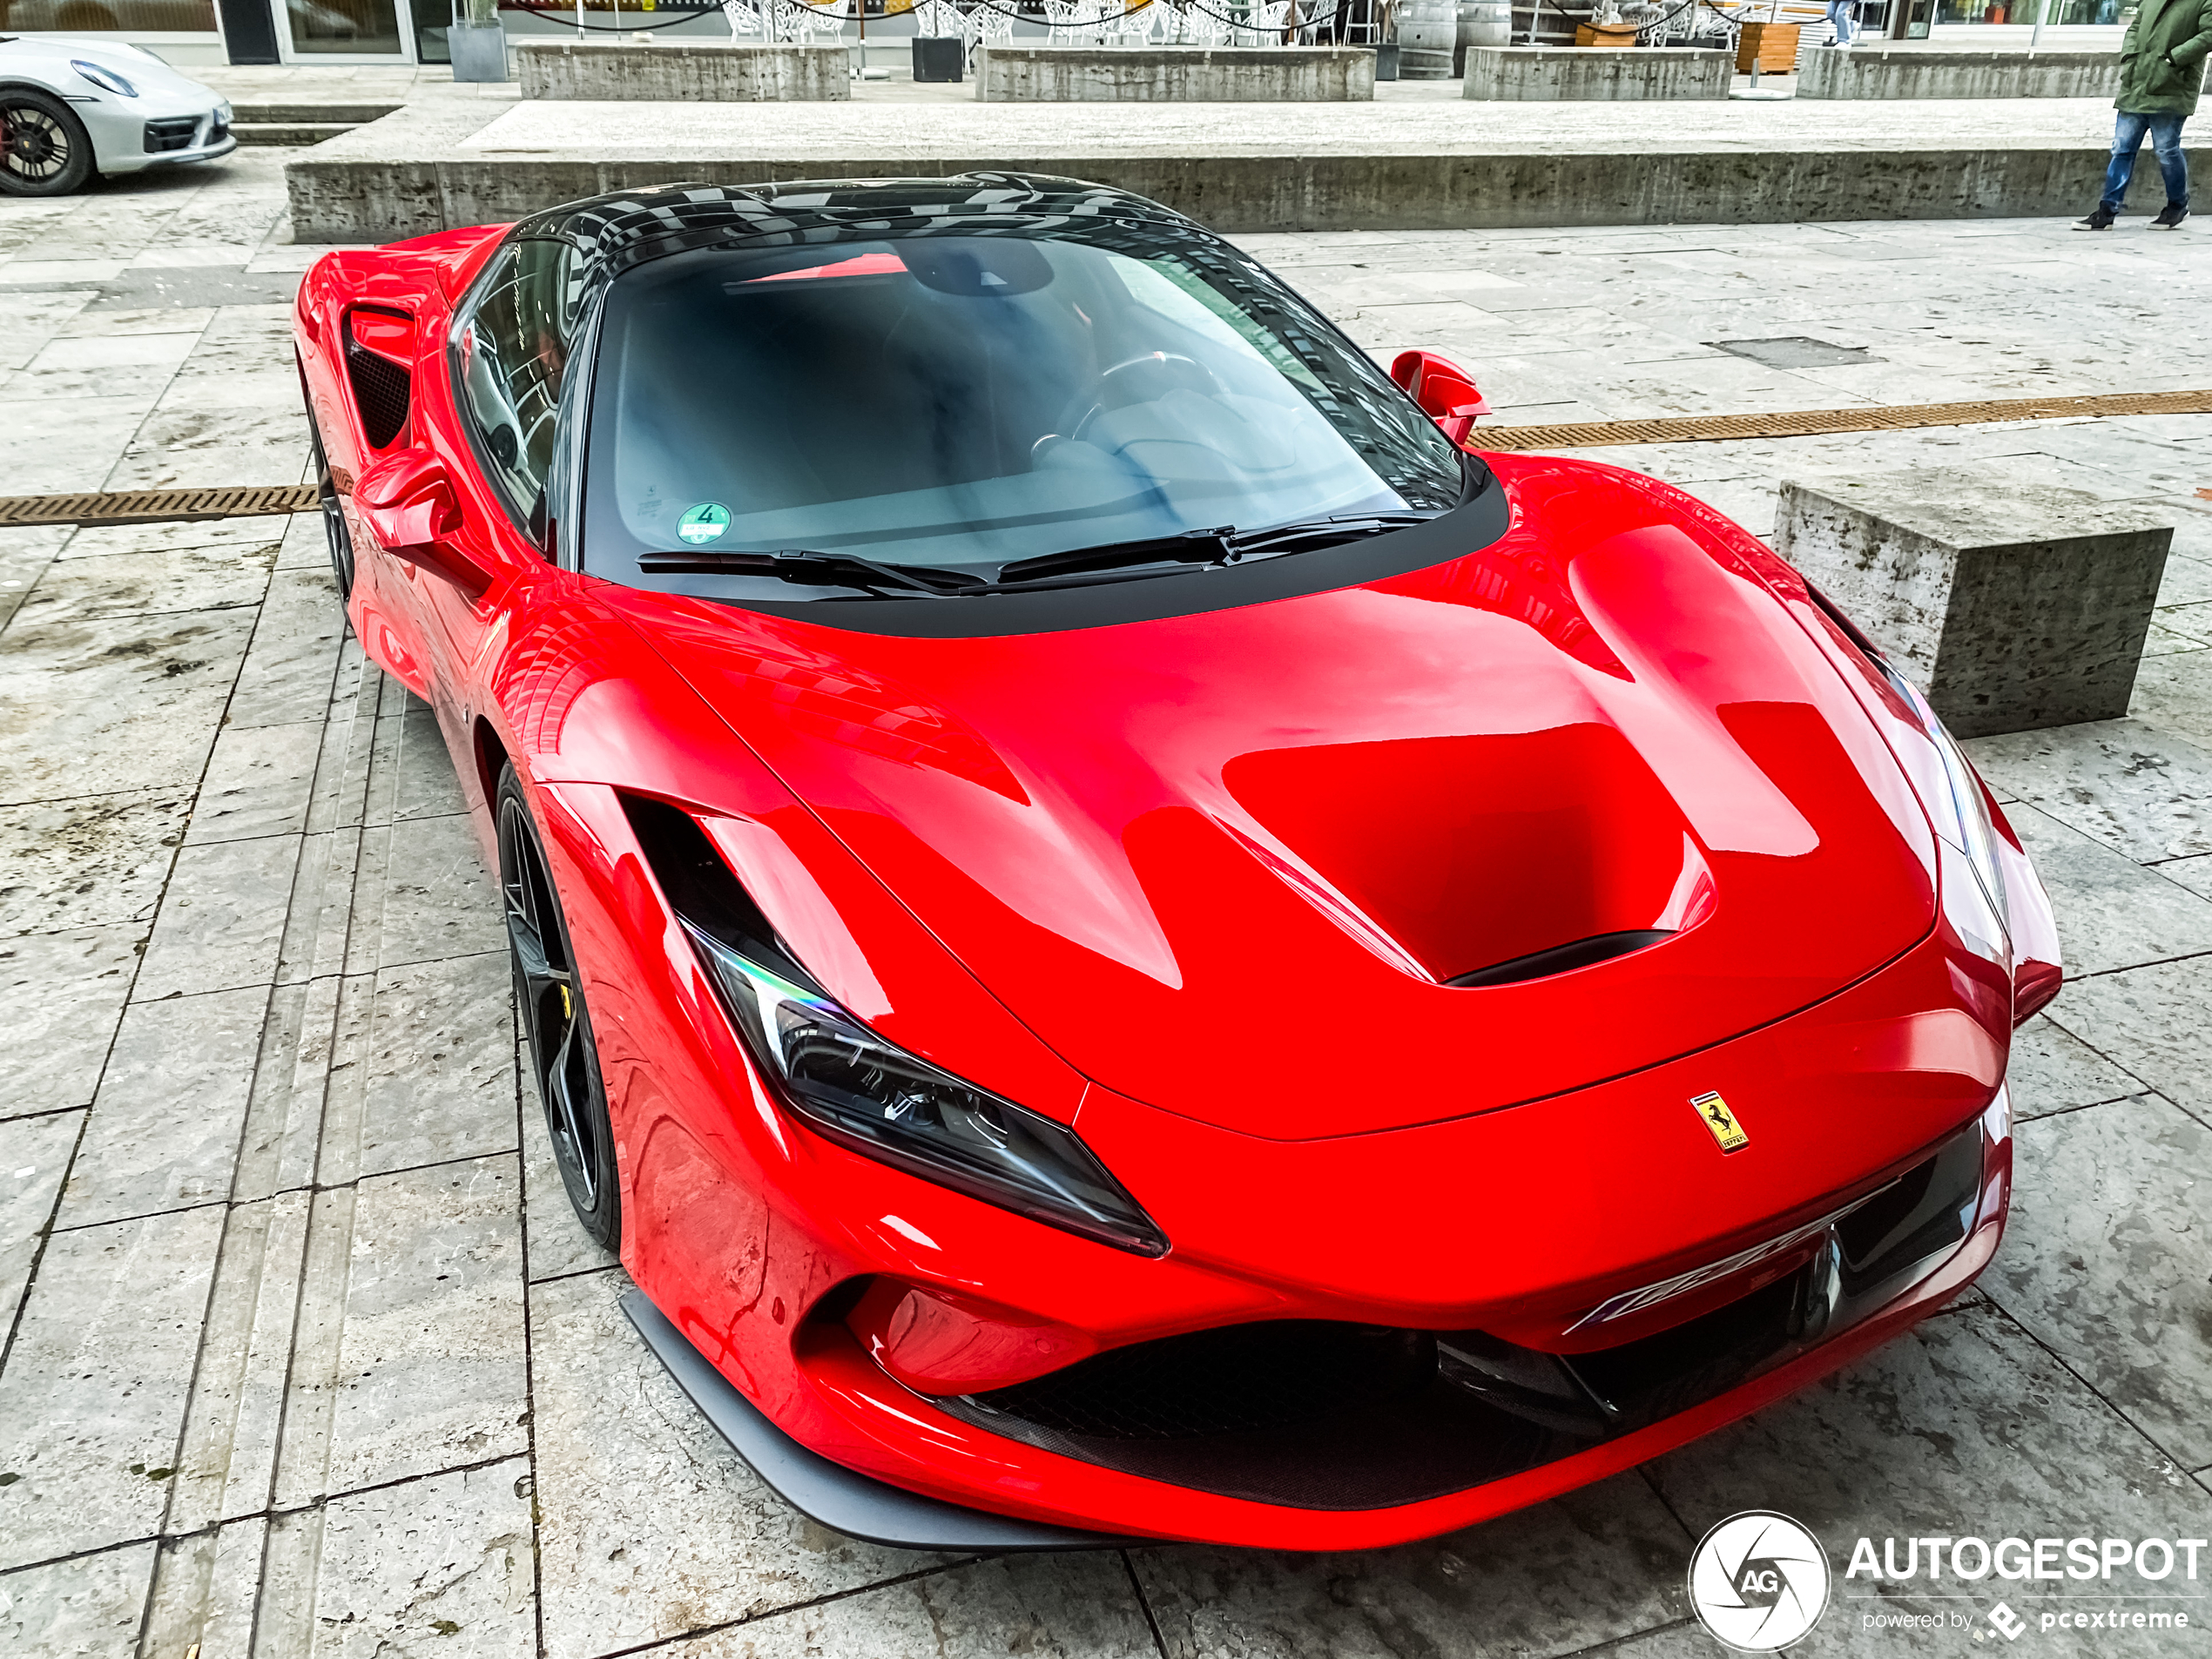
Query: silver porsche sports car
{"x":73,"y":107}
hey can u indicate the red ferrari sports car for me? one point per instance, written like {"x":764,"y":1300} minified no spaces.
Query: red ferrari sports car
{"x":1130,"y":938}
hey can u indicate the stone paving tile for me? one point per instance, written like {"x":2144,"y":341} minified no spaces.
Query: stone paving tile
{"x":234,"y":1421}
{"x":88,"y":1610}
{"x":2107,"y":1260}
{"x":164,"y":683}
{"x":288,"y":670}
{"x":2118,"y":913}
{"x":95,"y":860}
{"x":1052,"y":1607}
{"x":438,"y":1066}
{"x":1594,"y":1565}
{"x":36,"y":1155}
{"x":2053,"y":1072}
{"x":2194,"y":873}
{"x":136,"y":585}
{"x":1954,"y":1430}
{"x":203,"y":1592}
{"x":649,"y":1526}
{"x":2155,"y":1017}
{"x":431,"y":1372}
{"x":439,"y":1567}
{"x":94,"y":1391}
{"x":258,"y":782}
{"x":2171,"y":693}
{"x":222,"y":918}
{"x":439,"y":900}
{"x":2132,"y":787}
{"x":99,"y":429}
{"x":164,"y":1130}
{"x":64,"y":993}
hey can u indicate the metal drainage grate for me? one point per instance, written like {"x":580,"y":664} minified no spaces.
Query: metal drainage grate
{"x":1806,"y":423}
{"x":154,"y":506}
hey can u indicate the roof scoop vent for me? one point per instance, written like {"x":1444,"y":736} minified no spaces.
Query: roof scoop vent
{"x":1564,"y":959}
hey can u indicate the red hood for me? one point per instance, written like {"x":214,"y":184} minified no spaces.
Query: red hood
{"x":1221,"y":863}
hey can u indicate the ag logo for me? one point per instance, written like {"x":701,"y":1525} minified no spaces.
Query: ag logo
{"x":1759,"y":1581}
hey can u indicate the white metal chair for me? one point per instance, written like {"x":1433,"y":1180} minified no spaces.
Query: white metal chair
{"x":744,"y":18}
{"x":796,"y":22}
{"x":1263,"y":25}
{"x":1202,"y":28}
{"x":939,"y":19}
{"x":987,"y":26}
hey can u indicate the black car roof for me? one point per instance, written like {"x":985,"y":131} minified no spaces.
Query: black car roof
{"x":615,"y":231}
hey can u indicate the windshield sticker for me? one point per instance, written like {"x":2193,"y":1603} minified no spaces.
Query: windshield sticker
{"x":703,"y":523}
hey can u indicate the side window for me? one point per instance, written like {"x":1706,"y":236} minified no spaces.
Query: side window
{"x":513,"y":350}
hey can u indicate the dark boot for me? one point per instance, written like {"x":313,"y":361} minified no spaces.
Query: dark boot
{"x":2171,"y":219}
{"x":2099,"y":220}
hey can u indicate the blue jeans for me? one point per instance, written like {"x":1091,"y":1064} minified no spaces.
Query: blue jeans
{"x":1840,"y":14}
{"x":2165,"y":140}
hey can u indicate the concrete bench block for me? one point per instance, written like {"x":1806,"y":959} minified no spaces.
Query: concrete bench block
{"x":1174,"y":74}
{"x":1918,"y":72}
{"x":2015,"y":605}
{"x":712,"y":72}
{"x":1554,"y":74}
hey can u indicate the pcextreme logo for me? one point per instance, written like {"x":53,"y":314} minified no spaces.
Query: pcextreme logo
{"x":1758,"y":1582}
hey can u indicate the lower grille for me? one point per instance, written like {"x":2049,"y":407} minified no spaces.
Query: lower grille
{"x":1313,"y":1414}
{"x":169,"y":133}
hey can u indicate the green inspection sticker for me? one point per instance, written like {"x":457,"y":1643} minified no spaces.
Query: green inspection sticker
{"x":703,"y":523}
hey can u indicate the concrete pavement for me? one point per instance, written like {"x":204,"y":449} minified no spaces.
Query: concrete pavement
{"x":302,"y":1351}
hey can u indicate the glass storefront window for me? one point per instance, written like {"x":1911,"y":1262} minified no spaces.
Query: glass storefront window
{"x":103,"y":17}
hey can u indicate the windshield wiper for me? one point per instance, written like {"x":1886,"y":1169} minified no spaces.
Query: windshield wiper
{"x":1213,"y":549}
{"x":804,"y":567}
{"x":1339,"y":527}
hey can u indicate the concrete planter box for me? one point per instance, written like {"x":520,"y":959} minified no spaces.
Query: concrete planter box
{"x":1174,"y":74}
{"x":1551,"y":74}
{"x":669,"y":71}
{"x":1908,"y":71}
{"x":2016,"y":605}
{"x":479,"y":51}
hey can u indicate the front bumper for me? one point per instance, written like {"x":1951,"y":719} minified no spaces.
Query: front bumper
{"x":1474,"y":1429}
{"x":131,"y":135}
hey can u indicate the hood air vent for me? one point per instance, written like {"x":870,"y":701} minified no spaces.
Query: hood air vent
{"x":1563,"y":959}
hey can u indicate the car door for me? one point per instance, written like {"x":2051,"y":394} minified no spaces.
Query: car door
{"x":510,"y":349}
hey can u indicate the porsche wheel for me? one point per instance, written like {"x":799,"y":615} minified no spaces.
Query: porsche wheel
{"x":44,"y":150}
{"x":563,"y":1059}
{"x":334,"y":516}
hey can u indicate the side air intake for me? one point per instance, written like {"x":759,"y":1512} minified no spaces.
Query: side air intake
{"x":382,"y":388}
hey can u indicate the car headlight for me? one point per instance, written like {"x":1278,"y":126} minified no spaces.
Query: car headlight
{"x":879,"y":1100}
{"x":106,"y":79}
{"x":223,"y":111}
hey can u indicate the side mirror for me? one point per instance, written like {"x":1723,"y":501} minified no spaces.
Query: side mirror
{"x":407,"y":502}
{"x":1445,"y":391}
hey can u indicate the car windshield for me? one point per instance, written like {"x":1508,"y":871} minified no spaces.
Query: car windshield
{"x":964,"y":403}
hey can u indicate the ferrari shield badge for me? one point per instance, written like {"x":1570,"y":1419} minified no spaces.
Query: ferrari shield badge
{"x":1714,"y":1112}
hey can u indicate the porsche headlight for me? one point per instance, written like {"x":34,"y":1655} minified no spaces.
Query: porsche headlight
{"x":106,"y":79}
{"x":879,"y":1100}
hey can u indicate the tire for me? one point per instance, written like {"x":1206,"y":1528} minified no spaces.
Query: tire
{"x":333,"y":515}
{"x":44,"y":150}
{"x":564,"y":1057}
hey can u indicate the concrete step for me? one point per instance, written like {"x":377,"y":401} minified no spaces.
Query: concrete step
{"x":300,"y":123}
{"x":292,"y":133}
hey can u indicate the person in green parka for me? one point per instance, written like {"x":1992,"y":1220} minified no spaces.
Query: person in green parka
{"x":2161,"y":69}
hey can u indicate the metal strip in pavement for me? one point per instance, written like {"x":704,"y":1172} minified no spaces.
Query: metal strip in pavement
{"x":157,"y":506}
{"x":1806,"y":423}
{"x":154,"y":506}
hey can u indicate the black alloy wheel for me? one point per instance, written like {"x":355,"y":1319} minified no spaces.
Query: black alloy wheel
{"x":562,"y":1055}
{"x":44,"y":150}
{"x":333,"y":514}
